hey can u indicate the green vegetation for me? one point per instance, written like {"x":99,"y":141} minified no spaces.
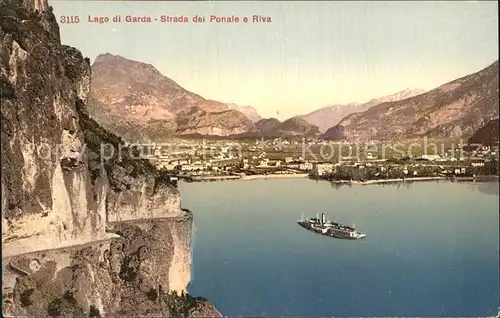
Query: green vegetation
{"x":377,"y":173}
{"x":181,"y":305}
{"x":490,"y":168}
{"x":109,"y":149}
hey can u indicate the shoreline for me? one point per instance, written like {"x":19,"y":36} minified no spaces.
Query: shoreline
{"x":479,"y":178}
{"x":274,"y":176}
{"x":379,"y":181}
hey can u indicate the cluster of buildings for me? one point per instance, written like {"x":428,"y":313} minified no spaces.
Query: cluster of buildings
{"x":195,"y":158}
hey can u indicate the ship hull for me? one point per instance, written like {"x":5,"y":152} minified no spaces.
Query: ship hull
{"x":330,"y":232}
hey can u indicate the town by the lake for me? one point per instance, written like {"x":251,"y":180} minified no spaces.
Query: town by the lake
{"x":202,"y":160}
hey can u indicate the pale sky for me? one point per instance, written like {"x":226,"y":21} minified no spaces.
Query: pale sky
{"x":312,"y":53}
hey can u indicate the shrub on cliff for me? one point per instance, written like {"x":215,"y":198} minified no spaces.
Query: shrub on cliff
{"x":103,"y":145}
{"x":181,"y":305}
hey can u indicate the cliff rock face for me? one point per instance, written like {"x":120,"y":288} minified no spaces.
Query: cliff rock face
{"x":456,"y":109}
{"x":330,"y":116}
{"x":86,"y":229}
{"x":45,"y":200}
{"x":133,"y":99}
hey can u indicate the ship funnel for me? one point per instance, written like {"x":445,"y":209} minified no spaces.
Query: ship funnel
{"x":323,"y":218}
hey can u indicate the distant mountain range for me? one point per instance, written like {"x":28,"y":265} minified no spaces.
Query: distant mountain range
{"x":456,"y":109}
{"x":331,"y":115}
{"x":134,"y":100}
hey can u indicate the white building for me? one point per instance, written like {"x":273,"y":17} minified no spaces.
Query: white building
{"x":430,"y":157}
{"x":321,"y":169}
{"x":306,"y":166}
{"x":191,"y":167}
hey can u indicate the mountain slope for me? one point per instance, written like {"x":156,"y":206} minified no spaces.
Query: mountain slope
{"x":455,"y":109}
{"x":330,"y":116}
{"x":486,"y":135}
{"x":135,"y":99}
{"x":199,"y":121}
{"x":248,"y":111}
{"x":273,"y":128}
{"x":268,"y":126}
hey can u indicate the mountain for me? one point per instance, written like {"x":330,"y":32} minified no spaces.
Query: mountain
{"x":330,"y":116}
{"x":197,"y":120}
{"x":486,"y":135}
{"x":268,"y":126}
{"x":298,"y":127}
{"x":455,"y":109}
{"x":248,"y":111}
{"x":134,"y":99}
{"x":273,"y":128}
{"x":87,"y":230}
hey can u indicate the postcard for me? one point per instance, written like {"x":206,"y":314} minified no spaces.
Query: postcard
{"x":249,"y":158}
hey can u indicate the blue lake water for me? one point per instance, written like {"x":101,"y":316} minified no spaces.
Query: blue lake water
{"x":432,"y":248}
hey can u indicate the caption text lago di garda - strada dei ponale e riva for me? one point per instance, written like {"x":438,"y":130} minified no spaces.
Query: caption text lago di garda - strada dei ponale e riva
{"x":166,"y":19}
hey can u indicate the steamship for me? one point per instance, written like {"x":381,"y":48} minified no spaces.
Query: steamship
{"x":328,"y":228}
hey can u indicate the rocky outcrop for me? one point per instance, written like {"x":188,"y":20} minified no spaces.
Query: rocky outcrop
{"x":330,"y":116}
{"x":134,"y":100}
{"x":454,"y":110}
{"x":88,"y":227}
{"x":224,"y":123}
{"x":126,"y":276}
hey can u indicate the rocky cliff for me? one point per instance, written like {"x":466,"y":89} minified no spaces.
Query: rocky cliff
{"x":454,"y":110}
{"x":134,"y":100}
{"x":87,"y":228}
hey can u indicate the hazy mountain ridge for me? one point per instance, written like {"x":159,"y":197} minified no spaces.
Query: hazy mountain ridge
{"x":330,"y":116}
{"x":455,"y":109}
{"x":248,"y":111}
